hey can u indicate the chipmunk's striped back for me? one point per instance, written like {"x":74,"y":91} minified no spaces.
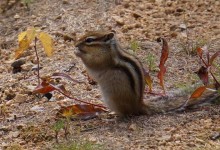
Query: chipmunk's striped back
{"x":133,"y":66}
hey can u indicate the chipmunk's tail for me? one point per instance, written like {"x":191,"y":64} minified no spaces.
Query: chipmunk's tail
{"x":177,"y":101}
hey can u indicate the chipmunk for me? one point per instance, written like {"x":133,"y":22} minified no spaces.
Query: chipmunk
{"x":119,"y":74}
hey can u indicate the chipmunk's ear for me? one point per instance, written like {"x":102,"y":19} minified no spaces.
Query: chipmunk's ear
{"x":109,"y":36}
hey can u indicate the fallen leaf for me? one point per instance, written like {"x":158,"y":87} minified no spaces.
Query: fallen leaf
{"x":44,"y":88}
{"x":198,"y":92}
{"x":81,"y":111}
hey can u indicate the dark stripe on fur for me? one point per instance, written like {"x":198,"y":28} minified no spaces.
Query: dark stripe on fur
{"x":129,"y":75}
{"x":135,"y":66}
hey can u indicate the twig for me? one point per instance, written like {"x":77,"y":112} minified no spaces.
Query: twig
{"x":38,"y":60}
{"x":101,"y":106}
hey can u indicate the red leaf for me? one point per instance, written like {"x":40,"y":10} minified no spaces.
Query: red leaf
{"x":213,"y":57}
{"x":203,"y":75}
{"x":44,"y":88}
{"x":81,"y":111}
{"x":198,"y":92}
{"x":161,"y":76}
{"x":163,"y":58}
{"x":199,"y":52}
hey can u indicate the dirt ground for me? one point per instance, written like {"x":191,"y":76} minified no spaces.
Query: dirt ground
{"x":26,"y":120}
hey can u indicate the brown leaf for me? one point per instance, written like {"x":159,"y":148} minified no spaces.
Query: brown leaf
{"x":81,"y":111}
{"x":203,"y":75}
{"x":198,"y":92}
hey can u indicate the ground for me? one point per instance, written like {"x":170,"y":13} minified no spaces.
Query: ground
{"x":27,"y":120}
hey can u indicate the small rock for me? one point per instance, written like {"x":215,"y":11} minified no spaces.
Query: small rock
{"x":16,"y":16}
{"x":27,"y":66}
{"x":215,"y":136}
{"x":182,"y":26}
{"x":65,"y":2}
{"x":20,"y":98}
{"x":37,"y":108}
{"x":11,"y":117}
{"x":30,"y":87}
{"x":92,"y":139}
{"x":173,"y":34}
{"x":17,"y":65}
{"x":5,"y":128}
{"x":35,"y":68}
{"x":169,"y":11}
{"x":133,"y":127}
{"x":119,"y":20}
{"x":177,"y":136}
{"x":165,"y":138}
{"x":136,"y":15}
{"x":33,"y":16}
{"x":200,"y":140}
{"x":10,"y":96}
{"x":20,"y":126}
{"x":180,"y":10}
{"x":13,"y":134}
{"x":4,"y":145}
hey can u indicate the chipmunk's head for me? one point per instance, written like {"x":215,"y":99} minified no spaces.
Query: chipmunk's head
{"x":94,"y":48}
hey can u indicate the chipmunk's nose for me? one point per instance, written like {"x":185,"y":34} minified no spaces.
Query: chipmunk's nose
{"x":77,"y":44}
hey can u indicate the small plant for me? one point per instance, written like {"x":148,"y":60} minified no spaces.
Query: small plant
{"x":190,"y":46}
{"x":134,"y":45}
{"x":33,"y":34}
{"x":57,"y":127}
{"x":204,"y":73}
{"x":151,"y":61}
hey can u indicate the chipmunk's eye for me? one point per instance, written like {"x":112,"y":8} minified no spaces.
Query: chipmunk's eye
{"x":89,"y":40}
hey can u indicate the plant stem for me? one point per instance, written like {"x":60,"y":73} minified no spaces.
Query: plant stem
{"x":38,"y":60}
{"x":101,"y":106}
{"x":216,"y":81}
{"x":56,"y":136}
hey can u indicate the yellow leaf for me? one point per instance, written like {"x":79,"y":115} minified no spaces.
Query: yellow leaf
{"x":47,"y":43}
{"x":31,"y":33}
{"x":23,"y":45}
{"x":149,"y":82}
{"x":21,"y":36}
